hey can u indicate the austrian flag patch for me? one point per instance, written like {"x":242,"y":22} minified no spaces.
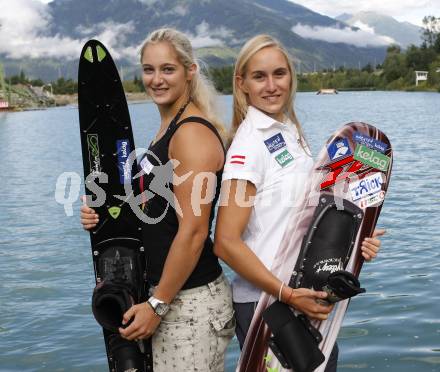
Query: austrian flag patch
{"x":237,"y":159}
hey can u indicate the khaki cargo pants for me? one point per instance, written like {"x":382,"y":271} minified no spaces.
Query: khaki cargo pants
{"x":194,"y":334}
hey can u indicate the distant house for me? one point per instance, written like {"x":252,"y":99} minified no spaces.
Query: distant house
{"x":421,"y":76}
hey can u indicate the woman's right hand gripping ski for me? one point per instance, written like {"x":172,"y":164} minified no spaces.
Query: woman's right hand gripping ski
{"x":89,"y":218}
{"x":309,"y":302}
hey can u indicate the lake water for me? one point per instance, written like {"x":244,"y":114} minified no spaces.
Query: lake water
{"x":46,"y":276}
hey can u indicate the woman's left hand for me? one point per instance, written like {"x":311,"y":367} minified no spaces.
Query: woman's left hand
{"x":144,"y":323}
{"x":370,"y":246}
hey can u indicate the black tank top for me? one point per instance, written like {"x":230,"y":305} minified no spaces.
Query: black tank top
{"x":159,"y":234}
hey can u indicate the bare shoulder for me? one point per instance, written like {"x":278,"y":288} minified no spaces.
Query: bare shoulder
{"x":197,"y":143}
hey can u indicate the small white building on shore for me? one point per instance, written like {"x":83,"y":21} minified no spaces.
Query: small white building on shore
{"x":421,"y":76}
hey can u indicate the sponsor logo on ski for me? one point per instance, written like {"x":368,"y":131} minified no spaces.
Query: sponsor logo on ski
{"x":339,"y":148}
{"x":284,"y":158}
{"x":373,"y":200}
{"x":94,"y":155}
{"x":329,"y":265}
{"x":367,"y":186}
{"x":371,"y":157}
{"x":370,"y":142}
{"x":123,"y":150}
{"x":114,"y":212}
{"x":275,"y":143}
{"x":340,"y":170}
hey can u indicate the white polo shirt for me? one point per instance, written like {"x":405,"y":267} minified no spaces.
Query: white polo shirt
{"x":266,"y":153}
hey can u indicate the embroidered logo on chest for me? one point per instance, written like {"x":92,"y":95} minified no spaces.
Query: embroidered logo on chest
{"x":275,"y":143}
{"x":284,"y":158}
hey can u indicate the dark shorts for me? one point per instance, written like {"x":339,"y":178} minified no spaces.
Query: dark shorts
{"x":243,"y":316}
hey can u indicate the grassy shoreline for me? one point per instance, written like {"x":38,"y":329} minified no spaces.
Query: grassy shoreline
{"x":59,"y":100}
{"x":72,"y":99}
{"x":30,"y":102}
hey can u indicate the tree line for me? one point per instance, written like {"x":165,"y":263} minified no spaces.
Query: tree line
{"x":59,"y":86}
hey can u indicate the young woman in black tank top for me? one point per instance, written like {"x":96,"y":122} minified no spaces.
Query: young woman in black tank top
{"x":189,"y":314}
{"x":161,"y":235}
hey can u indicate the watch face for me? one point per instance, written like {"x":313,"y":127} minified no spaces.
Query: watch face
{"x":162,"y":309}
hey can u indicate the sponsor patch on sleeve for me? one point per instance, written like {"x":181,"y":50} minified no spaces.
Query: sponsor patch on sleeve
{"x":275,"y":143}
{"x":370,"y":142}
{"x":338,"y":149}
{"x":237,"y":159}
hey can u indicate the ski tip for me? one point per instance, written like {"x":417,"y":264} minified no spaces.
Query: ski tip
{"x":94,"y":51}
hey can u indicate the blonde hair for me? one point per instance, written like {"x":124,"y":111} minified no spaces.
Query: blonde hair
{"x":240,"y":103}
{"x":201,"y":90}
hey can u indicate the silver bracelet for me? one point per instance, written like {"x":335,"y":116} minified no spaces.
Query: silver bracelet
{"x":279,"y":293}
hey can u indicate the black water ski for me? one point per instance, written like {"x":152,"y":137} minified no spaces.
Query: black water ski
{"x":117,"y":248}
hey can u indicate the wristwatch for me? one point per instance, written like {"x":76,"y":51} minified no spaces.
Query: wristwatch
{"x":159,"y":307}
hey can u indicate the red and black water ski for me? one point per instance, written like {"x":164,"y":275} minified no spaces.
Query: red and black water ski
{"x":321,"y":249}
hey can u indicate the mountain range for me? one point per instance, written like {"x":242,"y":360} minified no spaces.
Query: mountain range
{"x":402,"y":33}
{"x":216,"y":28}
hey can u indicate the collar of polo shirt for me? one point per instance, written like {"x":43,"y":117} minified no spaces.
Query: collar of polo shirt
{"x":261,"y":120}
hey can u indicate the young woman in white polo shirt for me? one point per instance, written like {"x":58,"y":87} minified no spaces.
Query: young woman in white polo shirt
{"x":267,"y":158}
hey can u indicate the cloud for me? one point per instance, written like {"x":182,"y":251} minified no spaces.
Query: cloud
{"x":360,"y":38}
{"x":114,"y":36}
{"x":23,"y":33}
{"x":179,"y":10}
{"x":206,"y":37}
{"x":148,"y":2}
{"x":24,"y":26}
{"x":389,"y":7}
{"x":364,"y":27}
{"x":409,"y":10}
